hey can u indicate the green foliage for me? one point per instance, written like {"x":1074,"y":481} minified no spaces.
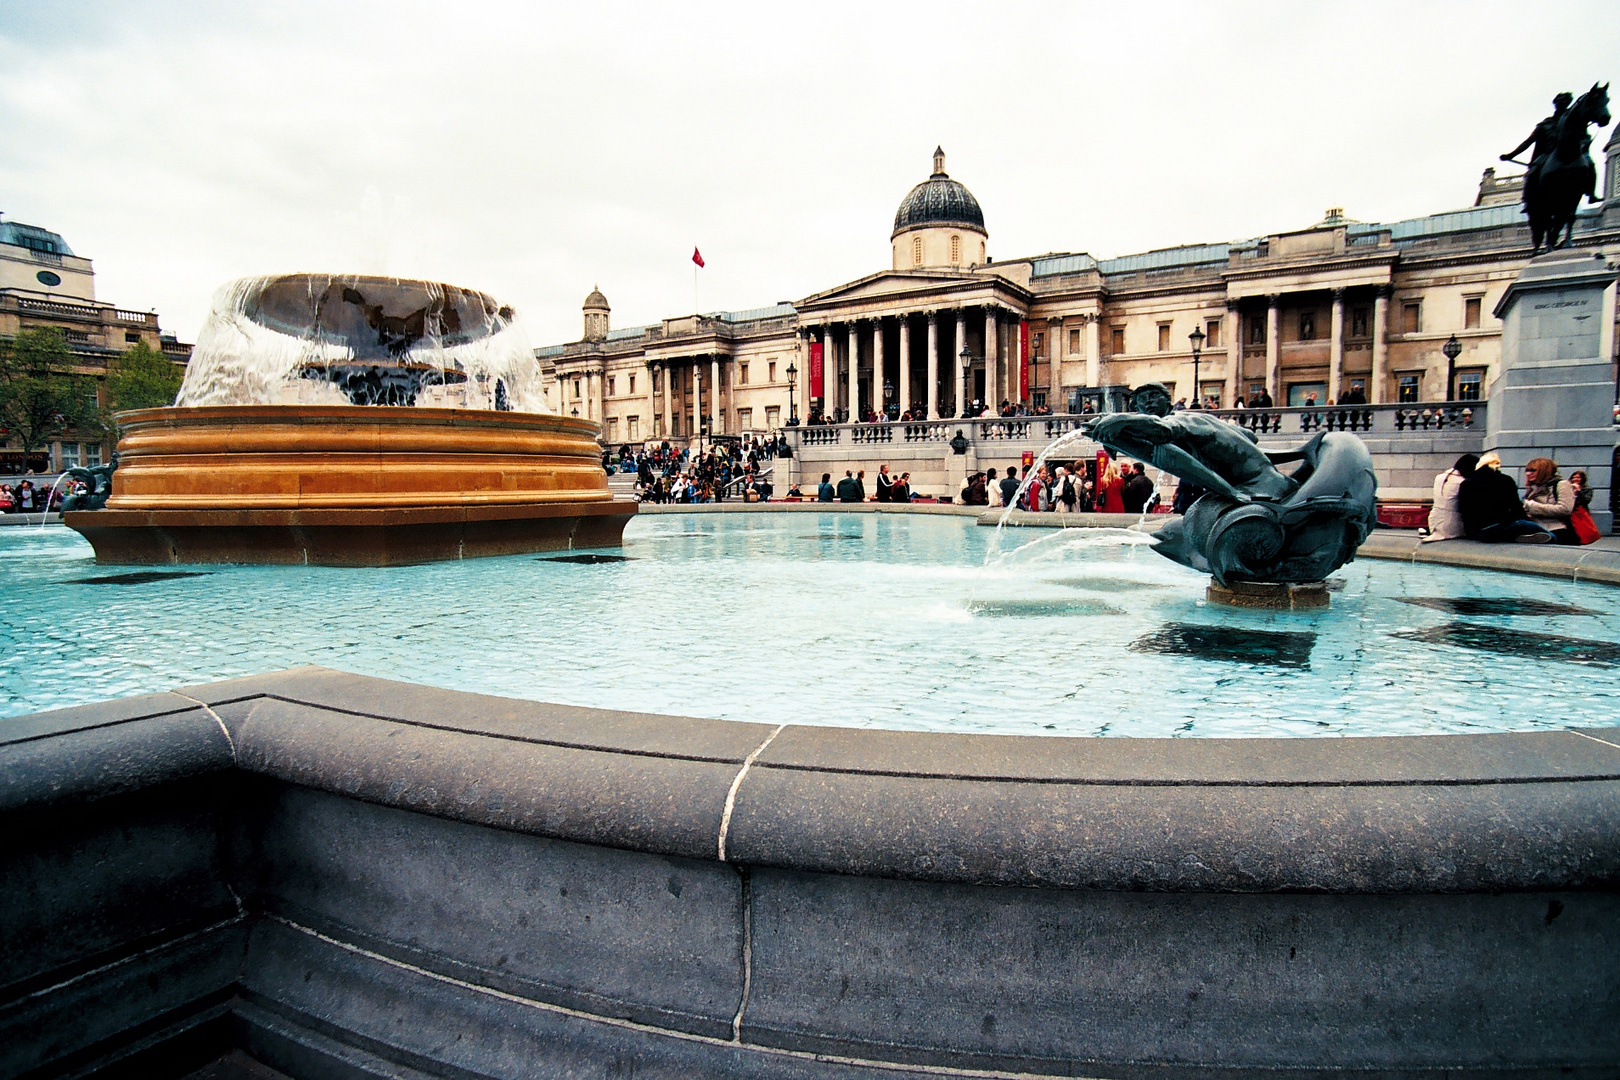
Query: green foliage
{"x":139,"y":378}
{"x":40,"y":397}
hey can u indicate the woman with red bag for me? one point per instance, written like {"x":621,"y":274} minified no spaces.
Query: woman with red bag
{"x":1549,"y":499}
{"x":1580,"y":519}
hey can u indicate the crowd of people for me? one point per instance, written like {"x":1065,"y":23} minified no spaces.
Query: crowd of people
{"x":1476,"y":500}
{"x":735,"y":468}
{"x":26,"y":497}
{"x":1120,"y":487}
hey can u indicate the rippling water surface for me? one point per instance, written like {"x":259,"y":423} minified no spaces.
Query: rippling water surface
{"x":892,"y":621}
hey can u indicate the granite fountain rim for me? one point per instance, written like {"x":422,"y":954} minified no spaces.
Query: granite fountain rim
{"x":1384,"y":814}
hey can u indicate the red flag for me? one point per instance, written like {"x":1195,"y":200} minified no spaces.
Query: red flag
{"x":697,"y":256}
{"x":816,"y":390}
{"x":1023,"y":360}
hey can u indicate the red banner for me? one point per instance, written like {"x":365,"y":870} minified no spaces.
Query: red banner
{"x":815,"y":370}
{"x":1023,"y":361}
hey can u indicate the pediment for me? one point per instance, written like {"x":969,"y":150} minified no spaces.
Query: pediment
{"x":912,"y":286}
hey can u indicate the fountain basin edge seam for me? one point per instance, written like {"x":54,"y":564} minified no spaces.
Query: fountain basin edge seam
{"x":1444,"y":837}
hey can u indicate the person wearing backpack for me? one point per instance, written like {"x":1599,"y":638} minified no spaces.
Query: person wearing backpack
{"x":1066,"y":496}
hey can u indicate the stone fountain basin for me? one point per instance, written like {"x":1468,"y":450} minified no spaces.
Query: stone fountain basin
{"x":350,"y":484}
{"x":347,"y":876}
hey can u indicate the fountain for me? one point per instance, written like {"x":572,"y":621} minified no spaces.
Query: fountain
{"x":353,"y":420}
{"x":1268,"y":539}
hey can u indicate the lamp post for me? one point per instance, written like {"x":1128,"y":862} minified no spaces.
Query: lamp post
{"x":1452,"y":348}
{"x":966,"y":357}
{"x":1197,"y":339}
{"x":793,"y":410}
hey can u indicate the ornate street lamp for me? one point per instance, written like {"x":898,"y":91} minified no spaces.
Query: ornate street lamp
{"x":1452,"y":348}
{"x":1197,"y":339}
{"x":793,"y":410}
{"x":967,"y":373}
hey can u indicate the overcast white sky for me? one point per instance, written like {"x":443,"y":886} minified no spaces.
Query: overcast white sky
{"x":534,"y":152}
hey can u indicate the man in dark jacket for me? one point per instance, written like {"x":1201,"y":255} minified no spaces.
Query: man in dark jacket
{"x":849,"y":489}
{"x":824,"y":493}
{"x":1491,"y":509}
{"x":1137,"y":491}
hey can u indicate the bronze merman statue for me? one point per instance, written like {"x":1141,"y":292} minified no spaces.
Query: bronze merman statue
{"x":1560,"y":169}
{"x":1254,"y":523}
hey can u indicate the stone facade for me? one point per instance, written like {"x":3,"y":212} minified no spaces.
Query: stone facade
{"x":43,"y":284}
{"x":1339,"y":306}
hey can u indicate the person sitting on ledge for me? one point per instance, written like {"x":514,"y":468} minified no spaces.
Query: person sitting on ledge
{"x":1445,"y":519}
{"x":1491,"y":511}
{"x":849,"y":490}
{"x":1549,"y":499}
{"x":901,"y":491}
{"x":824,"y":493}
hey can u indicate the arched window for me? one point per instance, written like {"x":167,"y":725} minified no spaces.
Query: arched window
{"x":956,"y":249}
{"x":981,"y":251}
{"x":916,"y":251}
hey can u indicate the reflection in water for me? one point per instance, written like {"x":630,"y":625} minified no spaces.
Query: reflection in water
{"x":1478,"y":606}
{"x":139,"y":577}
{"x":1522,"y":643}
{"x":587,"y":559}
{"x":1281,"y":648}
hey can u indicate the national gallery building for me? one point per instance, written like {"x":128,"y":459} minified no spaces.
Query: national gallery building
{"x":1337,"y":308}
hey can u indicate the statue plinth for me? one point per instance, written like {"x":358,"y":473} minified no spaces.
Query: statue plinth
{"x":1271,"y":595}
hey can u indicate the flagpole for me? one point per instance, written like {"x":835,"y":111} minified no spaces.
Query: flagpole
{"x":696,"y":309}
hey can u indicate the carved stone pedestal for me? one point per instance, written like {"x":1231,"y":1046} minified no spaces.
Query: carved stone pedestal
{"x":1268,"y":594}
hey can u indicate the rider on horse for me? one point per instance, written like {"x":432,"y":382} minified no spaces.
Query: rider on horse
{"x":1543,"y":138}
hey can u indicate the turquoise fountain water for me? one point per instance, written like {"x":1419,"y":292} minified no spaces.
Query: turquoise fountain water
{"x":887,"y":621}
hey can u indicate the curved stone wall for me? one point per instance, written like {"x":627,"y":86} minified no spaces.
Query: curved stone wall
{"x":349,"y":876}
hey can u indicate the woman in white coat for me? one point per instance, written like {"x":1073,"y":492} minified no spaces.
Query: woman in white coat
{"x":1445,"y":520}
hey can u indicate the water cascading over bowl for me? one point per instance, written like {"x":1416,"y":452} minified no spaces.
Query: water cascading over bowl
{"x":359,"y":421}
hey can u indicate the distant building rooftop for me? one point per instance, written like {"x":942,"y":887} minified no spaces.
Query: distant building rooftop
{"x":33,"y":237}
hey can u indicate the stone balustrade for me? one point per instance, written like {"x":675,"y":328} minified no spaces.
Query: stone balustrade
{"x":1418,"y":419}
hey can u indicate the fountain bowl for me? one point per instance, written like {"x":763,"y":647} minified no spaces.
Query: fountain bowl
{"x":350,"y":485}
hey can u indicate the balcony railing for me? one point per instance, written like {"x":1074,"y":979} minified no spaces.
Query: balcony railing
{"x":1034,"y":432}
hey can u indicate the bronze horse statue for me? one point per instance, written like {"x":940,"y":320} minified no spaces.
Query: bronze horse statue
{"x":1556,"y":182}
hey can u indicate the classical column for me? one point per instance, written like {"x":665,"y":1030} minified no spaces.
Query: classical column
{"x":854,"y":339}
{"x":715,"y":412}
{"x":905,"y":363}
{"x":992,"y":358}
{"x":879,"y":402}
{"x":652,"y":405}
{"x":593,"y":406}
{"x":1234,"y":353}
{"x":1054,"y":360}
{"x":697,"y":397}
{"x":669,"y":396}
{"x":1094,"y":350}
{"x":1380,"y":367}
{"x":1336,"y":348}
{"x":1273,"y":351}
{"x":956,"y":361}
{"x":933,"y":365}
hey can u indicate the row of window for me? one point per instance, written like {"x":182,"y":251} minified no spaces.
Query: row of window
{"x":633,"y":430}
{"x":613,"y":381}
{"x":956,"y":250}
{"x":1411,"y":323}
{"x":70,"y":455}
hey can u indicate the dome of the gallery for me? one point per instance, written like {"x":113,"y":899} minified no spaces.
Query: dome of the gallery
{"x":939,"y":200}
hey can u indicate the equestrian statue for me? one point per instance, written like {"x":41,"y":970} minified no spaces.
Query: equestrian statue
{"x":1560,"y":169}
